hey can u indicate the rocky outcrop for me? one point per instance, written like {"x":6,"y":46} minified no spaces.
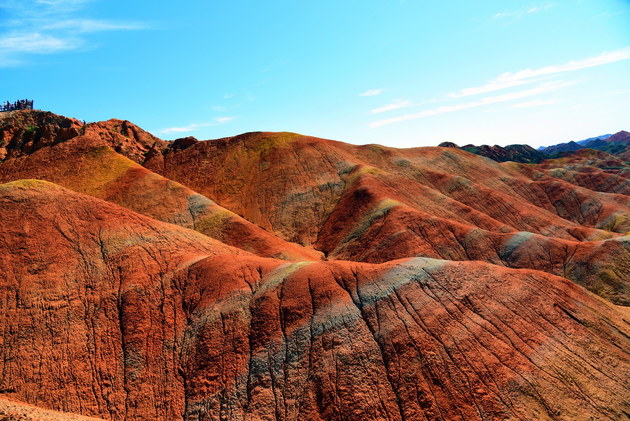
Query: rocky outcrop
{"x":24,"y":132}
{"x":125,"y":138}
{"x":283,"y":182}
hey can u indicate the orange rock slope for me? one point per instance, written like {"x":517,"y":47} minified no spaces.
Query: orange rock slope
{"x":450,"y":286}
{"x":372,"y":203}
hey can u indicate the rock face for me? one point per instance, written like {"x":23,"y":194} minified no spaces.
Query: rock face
{"x":24,"y":132}
{"x":452,"y":286}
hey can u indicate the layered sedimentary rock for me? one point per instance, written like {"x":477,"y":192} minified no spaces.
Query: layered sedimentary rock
{"x":129,"y":317}
{"x":373,"y":203}
{"x":88,"y":164}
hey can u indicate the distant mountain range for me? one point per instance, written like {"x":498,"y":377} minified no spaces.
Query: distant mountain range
{"x":617,"y":144}
{"x":590,"y":139}
{"x":518,"y":153}
{"x":572,"y":145}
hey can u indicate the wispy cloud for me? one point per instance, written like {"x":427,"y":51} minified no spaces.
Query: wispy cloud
{"x":508,"y":80}
{"x":90,"y":25}
{"x":372,"y":92}
{"x":62,"y":3}
{"x":196,"y":126}
{"x":184,"y":129}
{"x":48,"y":26}
{"x":35,"y":43}
{"x":399,"y":103}
{"x":538,"y":90}
{"x":536,"y":103}
{"x":522,"y":12}
{"x":539,"y":9}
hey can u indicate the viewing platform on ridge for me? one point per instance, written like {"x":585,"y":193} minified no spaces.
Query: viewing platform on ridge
{"x":21,"y":104}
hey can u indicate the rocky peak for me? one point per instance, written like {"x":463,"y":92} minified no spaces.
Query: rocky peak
{"x":26,"y":131}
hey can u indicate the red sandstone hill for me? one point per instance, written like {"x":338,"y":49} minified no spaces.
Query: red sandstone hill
{"x":373,"y":203}
{"x":141,"y":285}
{"x":133,"y":318}
{"x":87,"y":163}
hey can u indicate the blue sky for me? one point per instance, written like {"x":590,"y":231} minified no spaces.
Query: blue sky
{"x":401,"y":72}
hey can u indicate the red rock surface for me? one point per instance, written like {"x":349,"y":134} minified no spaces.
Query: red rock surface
{"x":87,"y":164}
{"x":134,"y":318}
{"x":450,"y":291}
{"x":373,"y":203}
{"x":11,"y":410}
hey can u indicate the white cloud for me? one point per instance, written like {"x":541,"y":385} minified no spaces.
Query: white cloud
{"x":62,"y":3}
{"x":189,"y":128}
{"x":535,"y":103}
{"x":508,"y":80}
{"x":540,"y":89}
{"x":494,"y":85}
{"x":539,"y":9}
{"x":399,"y":103}
{"x":372,"y":92}
{"x":46,"y":27}
{"x":89,"y":25}
{"x":196,"y":126}
{"x":35,"y":43}
{"x":39,"y":9}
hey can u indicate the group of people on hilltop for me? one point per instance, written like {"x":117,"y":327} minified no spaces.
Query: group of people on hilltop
{"x":20,"y":104}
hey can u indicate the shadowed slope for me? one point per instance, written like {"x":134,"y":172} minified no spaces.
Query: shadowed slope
{"x":284,"y":182}
{"x":133,"y":318}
